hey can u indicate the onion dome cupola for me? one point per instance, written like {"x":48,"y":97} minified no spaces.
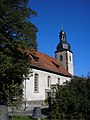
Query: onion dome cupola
{"x":63,"y":44}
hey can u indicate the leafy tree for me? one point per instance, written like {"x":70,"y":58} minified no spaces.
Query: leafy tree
{"x":72,"y":100}
{"x":17,"y":34}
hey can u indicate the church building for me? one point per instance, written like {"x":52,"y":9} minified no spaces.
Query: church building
{"x":48,"y":71}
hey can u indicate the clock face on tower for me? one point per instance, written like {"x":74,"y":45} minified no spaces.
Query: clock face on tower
{"x":65,"y":46}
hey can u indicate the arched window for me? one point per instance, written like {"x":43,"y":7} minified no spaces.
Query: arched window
{"x":48,"y":81}
{"x":61,"y":58}
{"x":59,"y":81}
{"x":63,"y":37}
{"x":36,"y":83}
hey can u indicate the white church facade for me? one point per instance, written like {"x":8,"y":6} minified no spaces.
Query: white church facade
{"x":48,"y":71}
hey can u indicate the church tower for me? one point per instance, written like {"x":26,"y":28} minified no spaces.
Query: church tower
{"x":64,"y":54}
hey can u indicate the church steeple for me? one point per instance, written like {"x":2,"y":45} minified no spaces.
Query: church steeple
{"x":63,"y":44}
{"x":63,"y":52}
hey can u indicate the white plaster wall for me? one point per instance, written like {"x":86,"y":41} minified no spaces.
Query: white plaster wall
{"x":29,"y":93}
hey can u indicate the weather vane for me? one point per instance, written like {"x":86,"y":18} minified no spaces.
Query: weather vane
{"x":62,"y":27}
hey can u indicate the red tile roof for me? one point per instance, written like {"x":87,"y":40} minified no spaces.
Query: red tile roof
{"x":45,"y":62}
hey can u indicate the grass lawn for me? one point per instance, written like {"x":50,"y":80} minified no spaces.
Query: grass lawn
{"x":20,"y":118}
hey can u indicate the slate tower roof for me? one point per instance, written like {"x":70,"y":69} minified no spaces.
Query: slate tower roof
{"x":63,"y":44}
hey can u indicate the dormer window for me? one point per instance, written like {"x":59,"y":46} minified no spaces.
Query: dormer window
{"x":35,"y":58}
{"x":56,"y":64}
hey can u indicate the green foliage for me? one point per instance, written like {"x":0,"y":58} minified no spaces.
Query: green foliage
{"x":16,"y":32}
{"x":72,"y":100}
{"x":13,"y":93}
{"x":15,"y":25}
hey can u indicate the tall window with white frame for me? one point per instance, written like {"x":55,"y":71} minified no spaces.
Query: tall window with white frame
{"x":36,"y":83}
{"x":58,"y":81}
{"x":48,"y":81}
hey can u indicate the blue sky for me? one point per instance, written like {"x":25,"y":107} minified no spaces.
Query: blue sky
{"x":75,"y":17}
